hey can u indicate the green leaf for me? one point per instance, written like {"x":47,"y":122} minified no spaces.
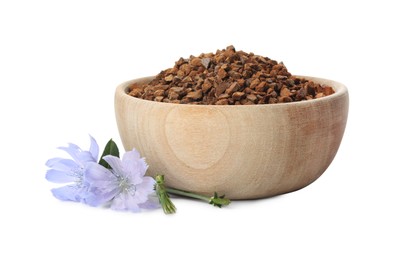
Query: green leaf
{"x":110,"y":149}
{"x":219,"y":201}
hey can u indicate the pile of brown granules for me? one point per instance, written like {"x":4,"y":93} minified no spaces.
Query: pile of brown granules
{"x":228,"y":77}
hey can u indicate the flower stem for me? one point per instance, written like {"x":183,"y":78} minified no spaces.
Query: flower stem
{"x":187,"y":194}
{"x":168,"y":207}
{"x":216,"y":200}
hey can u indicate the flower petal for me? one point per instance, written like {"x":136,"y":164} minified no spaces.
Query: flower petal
{"x":60,"y":176}
{"x":115,"y":163}
{"x":98,"y":197}
{"x":77,"y":154}
{"x":147,"y":185}
{"x":103,"y":185}
{"x":98,"y":176}
{"x":66,"y":193}
{"x":134,"y":165}
{"x":73,"y":150}
{"x":61,"y":164}
{"x":151,"y":203}
{"x":124,"y":201}
{"x":94,"y":149}
{"x":133,"y":154}
{"x":53,"y":161}
{"x":144,"y":189}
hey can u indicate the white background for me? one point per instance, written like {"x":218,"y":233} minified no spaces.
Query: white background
{"x":60,"y":62}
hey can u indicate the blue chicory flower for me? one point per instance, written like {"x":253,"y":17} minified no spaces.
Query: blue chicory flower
{"x":72,"y":171}
{"x":124,"y":186}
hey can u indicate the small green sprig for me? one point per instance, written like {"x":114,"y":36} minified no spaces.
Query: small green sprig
{"x":219,"y":201}
{"x":164,"y":199}
{"x":169,"y":208}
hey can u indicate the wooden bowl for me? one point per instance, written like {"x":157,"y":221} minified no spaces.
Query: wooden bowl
{"x":244,"y":152}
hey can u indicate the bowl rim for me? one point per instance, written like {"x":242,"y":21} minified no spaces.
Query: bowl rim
{"x":339,"y":88}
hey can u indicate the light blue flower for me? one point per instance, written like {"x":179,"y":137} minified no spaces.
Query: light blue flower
{"x":72,"y":171}
{"x":124,"y":186}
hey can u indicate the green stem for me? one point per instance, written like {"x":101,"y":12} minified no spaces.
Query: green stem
{"x":216,"y":200}
{"x":168,"y":207}
{"x":188,"y":194}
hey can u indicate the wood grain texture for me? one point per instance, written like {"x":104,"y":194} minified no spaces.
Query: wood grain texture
{"x":245,"y":152}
